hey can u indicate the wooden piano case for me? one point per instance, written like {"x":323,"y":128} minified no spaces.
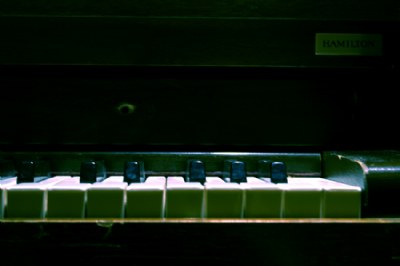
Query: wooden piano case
{"x":216,"y":76}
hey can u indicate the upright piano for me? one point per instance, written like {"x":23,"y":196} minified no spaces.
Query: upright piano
{"x":177,"y":132}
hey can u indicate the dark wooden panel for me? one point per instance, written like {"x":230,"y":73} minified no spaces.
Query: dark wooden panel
{"x":185,"y":41}
{"x":323,"y":9}
{"x":296,"y":242}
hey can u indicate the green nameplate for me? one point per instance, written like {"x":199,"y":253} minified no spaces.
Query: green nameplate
{"x":348,"y":44}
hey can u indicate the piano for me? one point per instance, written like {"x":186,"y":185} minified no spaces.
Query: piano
{"x":240,"y":132}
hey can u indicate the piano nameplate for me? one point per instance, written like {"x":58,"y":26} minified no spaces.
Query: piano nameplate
{"x":348,"y":44}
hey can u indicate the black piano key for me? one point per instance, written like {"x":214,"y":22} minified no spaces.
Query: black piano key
{"x":32,"y":171}
{"x":238,"y":172}
{"x":278,"y":172}
{"x":235,"y":171}
{"x":196,"y":171}
{"x":26,"y":172}
{"x":91,"y":172}
{"x":88,"y":172}
{"x":133,"y":172}
{"x":264,"y":169}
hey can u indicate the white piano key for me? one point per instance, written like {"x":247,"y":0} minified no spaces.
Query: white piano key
{"x":263,"y":199}
{"x":175,"y":179}
{"x":67,"y":199}
{"x":29,"y":200}
{"x":215,"y":179}
{"x":4,"y":183}
{"x":146,"y":200}
{"x":113,"y":179}
{"x":183,"y":199}
{"x":339,"y":200}
{"x":301,"y":199}
{"x":223,"y":200}
{"x":106,"y":199}
{"x":155,"y":179}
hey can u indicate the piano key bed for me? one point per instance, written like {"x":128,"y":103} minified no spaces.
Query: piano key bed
{"x":192,"y":185}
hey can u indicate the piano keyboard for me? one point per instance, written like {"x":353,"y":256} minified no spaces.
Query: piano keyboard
{"x":189,"y":186}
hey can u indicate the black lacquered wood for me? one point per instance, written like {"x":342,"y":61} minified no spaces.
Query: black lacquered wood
{"x":29,"y":171}
{"x":278,"y":172}
{"x":132,"y":172}
{"x":26,"y":172}
{"x":235,"y":171}
{"x":88,"y":172}
{"x":196,"y":171}
{"x":92,"y":171}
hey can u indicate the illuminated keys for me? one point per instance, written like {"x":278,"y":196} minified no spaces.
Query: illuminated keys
{"x":106,"y":199}
{"x":230,"y":195}
{"x":339,"y":200}
{"x":29,"y":200}
{"x":183,"y":199}
{"x":302,"y":199}
{"x":222,"y":199}
{"x":4,"y":183}
{"x":320,"y":198}
{"x":146,"y":200}
{"x":263,"y":199}
{"x":67,"y":199}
